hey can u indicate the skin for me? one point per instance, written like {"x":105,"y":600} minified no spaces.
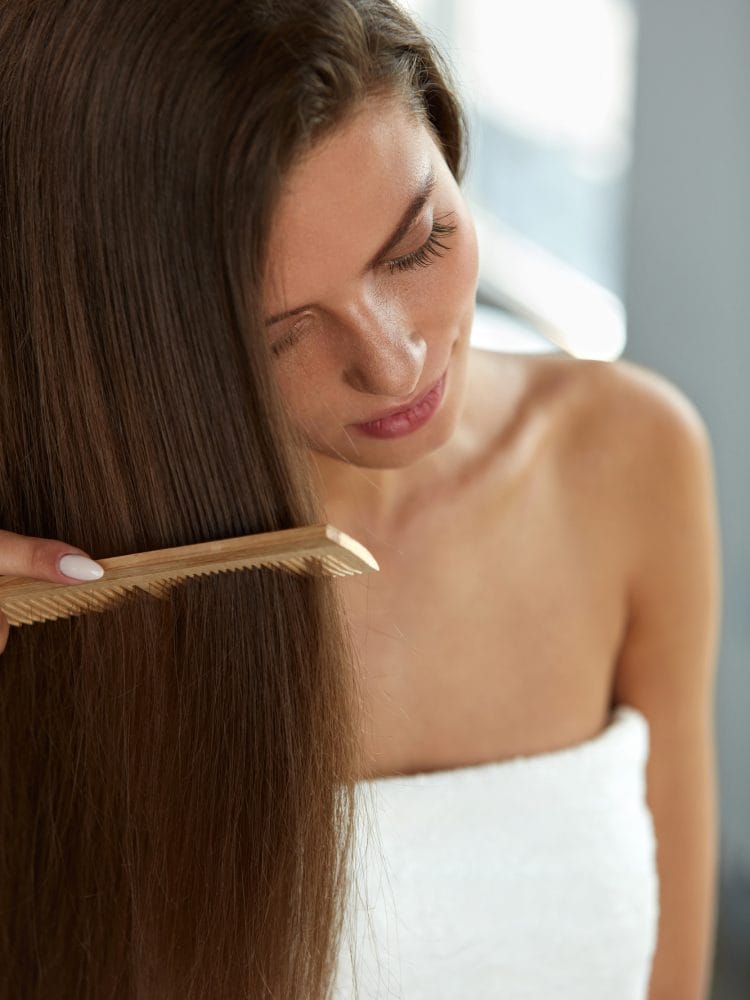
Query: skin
{"x":547,"y":541}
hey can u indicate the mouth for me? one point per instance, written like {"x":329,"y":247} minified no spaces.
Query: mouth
{"x":406,"y":419}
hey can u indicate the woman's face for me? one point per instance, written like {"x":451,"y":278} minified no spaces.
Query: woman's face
{"x":369,"y":292}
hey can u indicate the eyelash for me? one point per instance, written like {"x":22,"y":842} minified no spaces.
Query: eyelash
{"x":425,"y":255}
{"x":289,"y":340}
{"x":422,"y":257}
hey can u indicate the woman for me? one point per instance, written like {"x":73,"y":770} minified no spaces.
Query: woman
{"x":225,"y":200}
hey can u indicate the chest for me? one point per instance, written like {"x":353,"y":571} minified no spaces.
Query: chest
{"x":490,"y":632}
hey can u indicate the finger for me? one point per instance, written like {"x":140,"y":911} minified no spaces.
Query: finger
{"x":40,"y":559}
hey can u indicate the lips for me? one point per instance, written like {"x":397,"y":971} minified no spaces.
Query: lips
{"x":403,"y":408}
{"x":405,"y":418}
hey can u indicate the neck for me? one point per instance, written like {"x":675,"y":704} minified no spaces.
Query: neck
{"x":363,"y":497}
{"x":381,"y":502}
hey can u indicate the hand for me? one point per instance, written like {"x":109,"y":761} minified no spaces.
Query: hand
{"x":39,"y":558}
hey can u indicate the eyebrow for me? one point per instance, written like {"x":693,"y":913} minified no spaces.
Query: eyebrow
{"x":415,"y":206}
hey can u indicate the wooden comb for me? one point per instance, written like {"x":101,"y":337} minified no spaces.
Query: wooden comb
{"x":315,"y":550}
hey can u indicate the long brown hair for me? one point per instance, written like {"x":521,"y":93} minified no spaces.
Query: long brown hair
{"x":176,"y":776}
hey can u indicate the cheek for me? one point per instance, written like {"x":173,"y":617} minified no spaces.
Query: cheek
{"x":310,"y":411}
{"x":291,"y":382}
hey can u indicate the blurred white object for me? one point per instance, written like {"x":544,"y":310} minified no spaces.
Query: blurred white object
{"x":575,"y":313}
{"x":496,"y":330}
{"x":561,"y":72}
{"x":558,"y":72}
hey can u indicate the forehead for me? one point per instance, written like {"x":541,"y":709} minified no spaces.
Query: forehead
{"x":346,"y":195}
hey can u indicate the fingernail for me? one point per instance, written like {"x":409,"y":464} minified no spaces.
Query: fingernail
{"x":80,"y":568}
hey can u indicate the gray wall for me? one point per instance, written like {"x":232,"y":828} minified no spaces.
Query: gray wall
{"x":688,"y":302}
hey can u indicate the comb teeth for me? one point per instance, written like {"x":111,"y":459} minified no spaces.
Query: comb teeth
{"x":296,"y":566}
{"x":157,"y":588}
{"x":337,"y":567}
{"x":313,"y":550}
{"x":44,"y":610}
{"x":22,"y":615}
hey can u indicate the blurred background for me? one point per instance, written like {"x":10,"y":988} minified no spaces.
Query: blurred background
{"x":610,"y":180}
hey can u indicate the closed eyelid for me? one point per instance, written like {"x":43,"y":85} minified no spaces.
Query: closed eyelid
{"x":293,"y":332}
{"x":413,"y":212}
{"x":420,"y":221}
{"x":430,"y":249}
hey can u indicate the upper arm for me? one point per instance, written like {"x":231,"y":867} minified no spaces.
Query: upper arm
{"x":666,"y":666}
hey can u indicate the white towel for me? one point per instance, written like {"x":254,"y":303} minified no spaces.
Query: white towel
{"x":526,"y":879}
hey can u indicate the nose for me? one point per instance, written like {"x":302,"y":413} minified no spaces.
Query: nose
{"x":382,"y":354}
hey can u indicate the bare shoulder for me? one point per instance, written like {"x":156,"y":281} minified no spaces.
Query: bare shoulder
{"x":621,"y":436}
{"x":638,"y":451}
{"x":619,"y":395}
{"x":625,"y":421}
{"x":633,"y":454}
{"x":646,"y":408}
{"x":659,"y":444}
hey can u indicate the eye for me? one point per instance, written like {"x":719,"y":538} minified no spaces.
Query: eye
{"x":433,"y":247}
{"x":290,"y":339}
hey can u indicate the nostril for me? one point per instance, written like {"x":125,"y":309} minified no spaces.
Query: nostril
{"x":394,"y":382}
{"x":394,"y":367}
